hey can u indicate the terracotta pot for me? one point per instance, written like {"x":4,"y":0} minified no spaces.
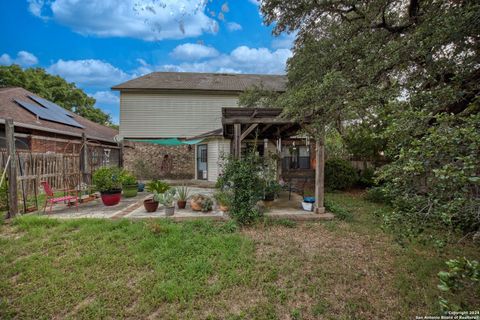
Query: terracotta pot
{"x":112,"y":197}
{"x":181,"y":204}
{"x":150,"y":205}
{"x":196,"y":206}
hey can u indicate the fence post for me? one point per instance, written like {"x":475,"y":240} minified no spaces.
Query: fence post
{"x":84,"y":159}
{"x":12,"y":169}
{"x":120,"y":160}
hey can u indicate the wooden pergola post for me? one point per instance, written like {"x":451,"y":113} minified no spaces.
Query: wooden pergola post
{"x":319,"y":173}
{"x":84,"y":159}
{"x":237,"y":143}
{"x":12,"y":169}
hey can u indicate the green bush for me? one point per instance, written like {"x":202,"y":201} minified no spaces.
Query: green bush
{"x":434,"y":181}
{"x":366,"y":178}
{"x":108,"y":179}
{"x":339,"y":174}
{"x":242,"y":178}
{"x":377,"y":195}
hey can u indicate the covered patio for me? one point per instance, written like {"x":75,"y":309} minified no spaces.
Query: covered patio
{"x":267,"y":124}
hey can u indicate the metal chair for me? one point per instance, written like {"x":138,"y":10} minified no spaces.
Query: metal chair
{"x":51,"y":199}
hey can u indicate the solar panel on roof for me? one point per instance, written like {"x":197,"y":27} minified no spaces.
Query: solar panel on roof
{"x":49,"y":111}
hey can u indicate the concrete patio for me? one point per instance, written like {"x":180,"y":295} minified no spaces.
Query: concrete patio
{"x":132,"y":208}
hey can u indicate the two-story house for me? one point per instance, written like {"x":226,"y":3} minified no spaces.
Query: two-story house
{"x":170,"y":109}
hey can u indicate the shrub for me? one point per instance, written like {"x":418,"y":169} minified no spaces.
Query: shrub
{"x":339,"y":174}
{"x":242,"y":178}
{"x":377,"y":195}
{"x":366,"y":178}
{"x":434,"y":181}
{"x":108,"y":179}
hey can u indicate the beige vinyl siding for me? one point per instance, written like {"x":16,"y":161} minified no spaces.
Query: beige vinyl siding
{"x":170,"y":115}
{"x":217,"y":149}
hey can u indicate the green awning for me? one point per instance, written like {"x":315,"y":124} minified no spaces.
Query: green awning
{"x":167,"y":142}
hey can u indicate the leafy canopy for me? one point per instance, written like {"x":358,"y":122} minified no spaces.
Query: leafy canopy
{"x":403,"y":76}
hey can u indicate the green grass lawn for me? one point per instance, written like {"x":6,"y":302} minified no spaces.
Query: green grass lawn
{"x":159,"y":269}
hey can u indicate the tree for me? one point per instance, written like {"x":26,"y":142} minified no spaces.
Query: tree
{"x":411,"y":69}
{"x":258,"y":97}
{"x":55,"y":89}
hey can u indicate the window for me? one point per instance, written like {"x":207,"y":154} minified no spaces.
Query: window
{"x":295,"y":157}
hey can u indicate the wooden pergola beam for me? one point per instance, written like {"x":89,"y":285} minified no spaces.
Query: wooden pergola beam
{"x":248,"y":120}
{"x":248,"y":131}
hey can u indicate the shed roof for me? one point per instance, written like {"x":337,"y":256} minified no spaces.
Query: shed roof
{"x":204,"y":82}
{"x":23,"y":118}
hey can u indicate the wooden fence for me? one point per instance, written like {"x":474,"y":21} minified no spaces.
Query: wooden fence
{"x":26,"y":170}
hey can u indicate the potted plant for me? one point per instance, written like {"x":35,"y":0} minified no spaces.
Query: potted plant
{"x":157,"y":187}
{"x":196,"y":201}
{"x":223,"y":199}
{"x":129,"y":185}
{"x":108,"y":181}
{"x":182,"y":196}
{"x":272,"y":188}
{"x":207,"y":204}
{"x":168,"y":200}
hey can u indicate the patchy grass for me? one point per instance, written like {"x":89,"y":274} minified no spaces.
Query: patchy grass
{"x":158,"y":269}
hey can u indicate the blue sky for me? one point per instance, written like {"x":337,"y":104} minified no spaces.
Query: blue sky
{"x":100,"y":43}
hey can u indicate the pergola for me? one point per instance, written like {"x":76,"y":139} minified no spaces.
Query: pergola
{"x":269,"y":124}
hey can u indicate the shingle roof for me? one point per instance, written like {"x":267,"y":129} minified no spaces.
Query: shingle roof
{"x":11,"y":109}
{"x":203,"y":82}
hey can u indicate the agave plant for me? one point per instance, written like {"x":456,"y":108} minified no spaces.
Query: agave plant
{"x":183,"y":193}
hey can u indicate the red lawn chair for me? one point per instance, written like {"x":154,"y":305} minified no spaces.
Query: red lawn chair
{"x":51,"y":199}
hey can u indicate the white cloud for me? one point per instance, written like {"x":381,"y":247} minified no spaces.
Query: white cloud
{"x":233,"y":26}
{"x":241,"y":60}
{"x":106,"y":97}
{"x":24,"y":58}
{"x":5,"y":60}
{"x":143,"y":19}
{"x":88,"y":72}
{"x":193,"y":51}
{"x":284,"y":41}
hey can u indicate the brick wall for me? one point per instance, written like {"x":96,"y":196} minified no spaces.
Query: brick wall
{"x":37,"y":144}
{"x":150,"y":161}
